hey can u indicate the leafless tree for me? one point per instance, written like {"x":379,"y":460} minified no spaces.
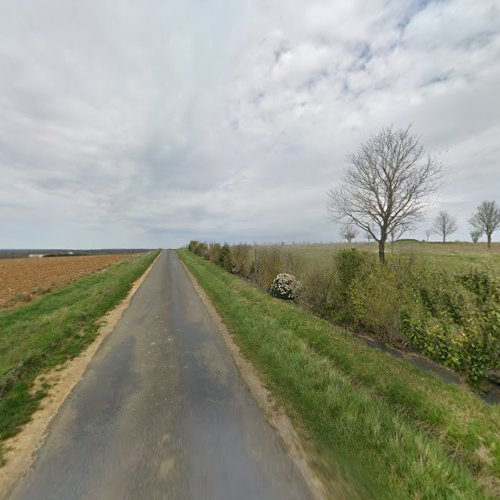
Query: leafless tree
{"x":444,"y":224}
{"x":386,"y":185}
{"x":486,"y":219}
{"x":428,"y":233}
{"x":349,"y":233}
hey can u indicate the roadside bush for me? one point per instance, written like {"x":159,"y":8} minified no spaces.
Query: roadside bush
{"x":320,"y":292}
{"x":225,"y":259}
{"x":192,"y":244}
{"x":350,"y":266}
{"x":483,"y":285}
{"x":328,"y":291}
{"x":285,"y":286}
{"x":201,"y":249}
{"x":467,"y":351}
{"x":454,"y":319}
{"x":269,"y":263}
{"x":213,"y":252}
{"x":441,"y":294}
{"x":243,"y":260}
{"x":459,"y":321}
{"x":198,"y":248}
{"x":377,"y":299}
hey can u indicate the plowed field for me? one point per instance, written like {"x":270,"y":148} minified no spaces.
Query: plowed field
{"x":21,"y":280}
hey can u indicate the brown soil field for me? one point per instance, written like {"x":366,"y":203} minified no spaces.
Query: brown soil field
{"x":22,"y":280}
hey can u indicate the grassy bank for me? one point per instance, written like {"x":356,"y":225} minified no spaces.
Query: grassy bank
{"x":384,"y":426}
{"x":53,"y":329}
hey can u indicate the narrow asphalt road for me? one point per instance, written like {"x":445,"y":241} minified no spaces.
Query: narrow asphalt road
{"x":162,"y":413}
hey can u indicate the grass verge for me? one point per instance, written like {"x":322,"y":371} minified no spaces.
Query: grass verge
{"x":53,"y":329}
{"x":394,"y":431}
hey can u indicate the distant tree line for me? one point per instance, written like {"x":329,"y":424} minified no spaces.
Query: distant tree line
{"x":485,"y":221}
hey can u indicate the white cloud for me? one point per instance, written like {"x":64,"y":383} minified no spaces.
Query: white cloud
{"x":150,"y":123}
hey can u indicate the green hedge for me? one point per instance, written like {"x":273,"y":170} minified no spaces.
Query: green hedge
{"x":451,"y":317}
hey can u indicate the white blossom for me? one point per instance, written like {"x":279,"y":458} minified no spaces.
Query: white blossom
{"x":285,"y":286}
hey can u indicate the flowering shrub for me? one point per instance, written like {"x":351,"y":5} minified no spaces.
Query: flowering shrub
{"x":285,"y":286}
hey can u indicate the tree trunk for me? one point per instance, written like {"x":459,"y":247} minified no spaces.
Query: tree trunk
{"x":381,"y":250}
{"x":489,"y":239}
{"x":444,"y":237}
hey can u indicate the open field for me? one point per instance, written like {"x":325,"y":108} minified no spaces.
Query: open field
{"x":451,"y":256}
{"x":23,"y":279}
{"x":54,"y":328}
{"x":376,"y":422}
{"x":18,"y":253}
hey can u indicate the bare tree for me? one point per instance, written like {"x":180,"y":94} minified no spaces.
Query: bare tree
{"x":475,"y":234}
{"x":428,"y":233}
{"x":486,"y":219}
{"x":386,"y":185}
{"x":444,"y":224}
{"x":349,"y":233}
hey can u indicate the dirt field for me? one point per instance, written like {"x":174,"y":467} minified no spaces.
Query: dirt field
{"x":21,"y":280}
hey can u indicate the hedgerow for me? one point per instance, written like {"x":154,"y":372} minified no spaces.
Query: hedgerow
{"x":453,"y":318}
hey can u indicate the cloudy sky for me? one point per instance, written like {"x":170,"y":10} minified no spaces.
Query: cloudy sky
{"x":149,"y":123}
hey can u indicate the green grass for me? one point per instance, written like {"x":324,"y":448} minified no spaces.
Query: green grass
{"x":52,"y":329}
{"x":392,"y":430}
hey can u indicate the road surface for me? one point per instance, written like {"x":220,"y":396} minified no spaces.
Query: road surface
{"x":162,"y":413}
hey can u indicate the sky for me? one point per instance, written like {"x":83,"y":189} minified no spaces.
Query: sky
{"x":151,"y":123}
